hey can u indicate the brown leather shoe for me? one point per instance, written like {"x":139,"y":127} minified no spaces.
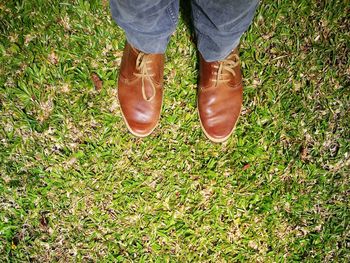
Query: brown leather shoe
{"x":220,"y":96}
{"x":140,"y":90}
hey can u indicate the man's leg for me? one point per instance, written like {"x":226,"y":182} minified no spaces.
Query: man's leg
{"x":219,"y":24}
{"x":148,"y":25}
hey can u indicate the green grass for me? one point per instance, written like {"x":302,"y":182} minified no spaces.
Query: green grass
{"x":76,"y":186}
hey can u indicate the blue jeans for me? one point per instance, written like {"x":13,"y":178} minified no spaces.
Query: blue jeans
{"x":219,"y":24}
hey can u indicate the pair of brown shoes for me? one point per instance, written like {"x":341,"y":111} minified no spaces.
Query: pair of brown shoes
{"x":140,"y":93}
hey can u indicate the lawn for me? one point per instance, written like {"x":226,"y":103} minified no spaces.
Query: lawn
{"x":76,"y":186}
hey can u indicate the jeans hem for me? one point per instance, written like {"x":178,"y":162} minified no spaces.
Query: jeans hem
{"x":211,"y":57}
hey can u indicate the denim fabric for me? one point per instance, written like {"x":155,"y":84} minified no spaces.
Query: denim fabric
{"x":219,"y":24}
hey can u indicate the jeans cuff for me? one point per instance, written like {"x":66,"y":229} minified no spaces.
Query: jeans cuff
{"x":148,"y":44}
{"x":210,"y":55}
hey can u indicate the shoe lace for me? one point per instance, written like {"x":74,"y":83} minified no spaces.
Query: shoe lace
{"x":226,"y":65}
{"x":144,"y":73}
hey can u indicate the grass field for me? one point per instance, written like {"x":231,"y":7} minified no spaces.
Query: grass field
{"x":76,"y":186}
